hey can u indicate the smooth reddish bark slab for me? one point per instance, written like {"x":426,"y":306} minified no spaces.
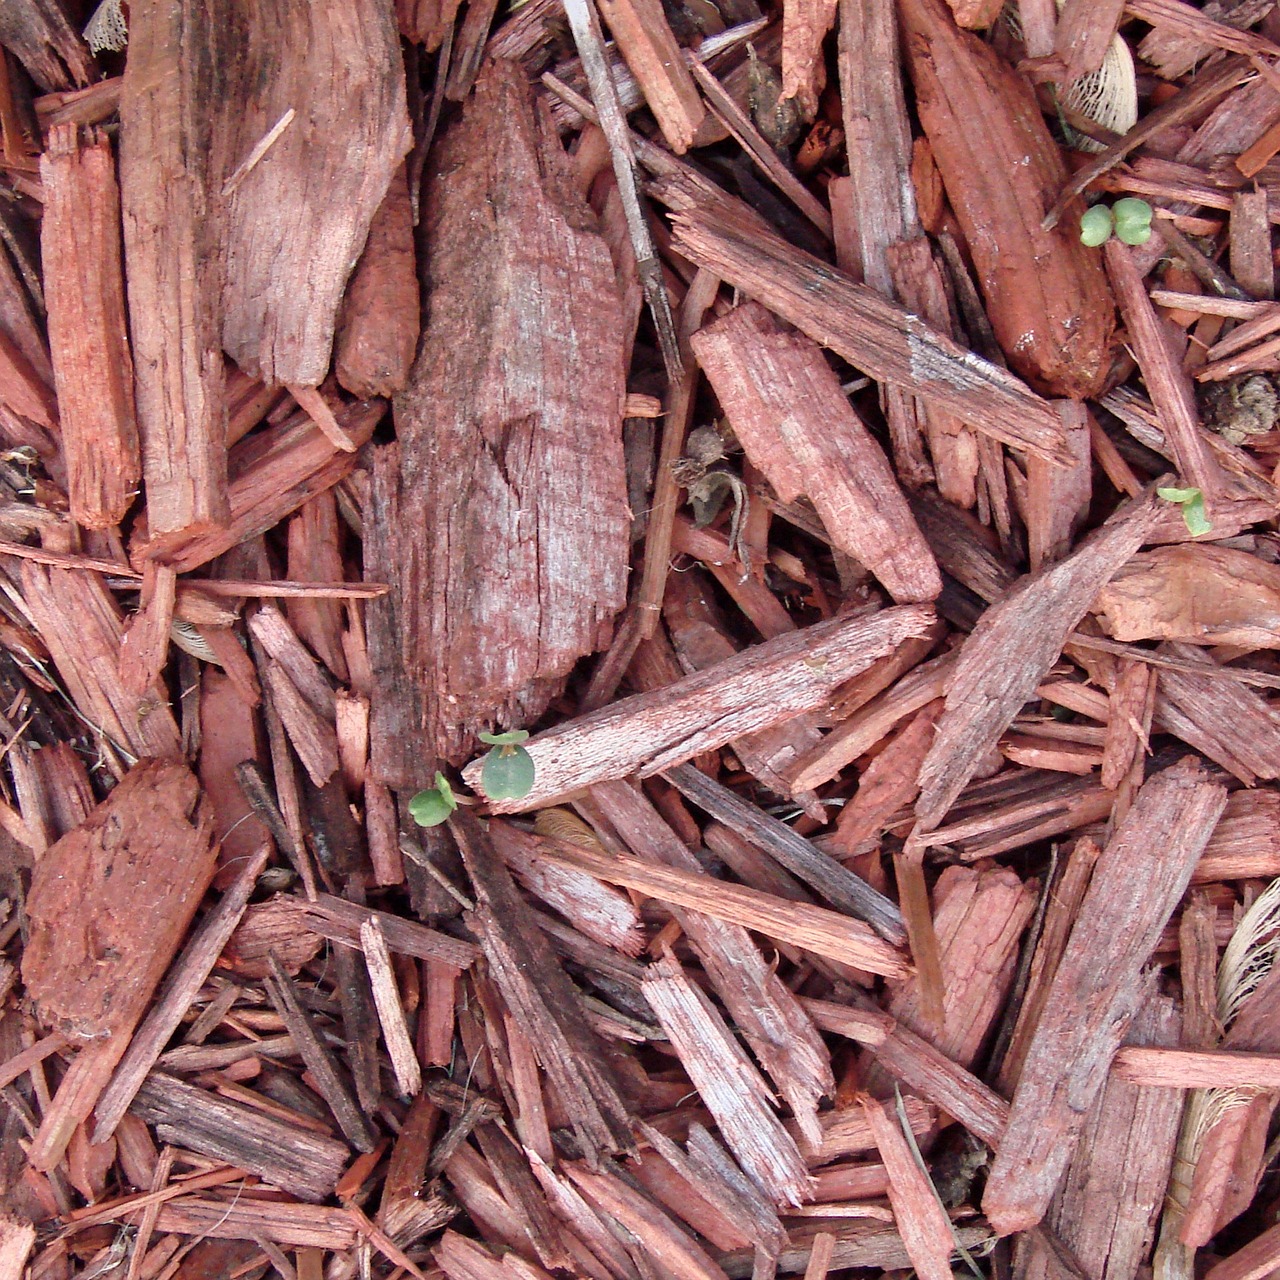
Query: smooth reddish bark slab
{"x":1046,"y":294}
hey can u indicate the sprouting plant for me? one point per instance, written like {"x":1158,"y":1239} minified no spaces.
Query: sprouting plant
{"x":1192,"y":503}
{"x":1129,"y":218}
{"x":507,"y":773}
{"x":433,"y":806}
{"x":1096,"y":225}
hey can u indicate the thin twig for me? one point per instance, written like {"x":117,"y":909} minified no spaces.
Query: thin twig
{"x":585,"y":24}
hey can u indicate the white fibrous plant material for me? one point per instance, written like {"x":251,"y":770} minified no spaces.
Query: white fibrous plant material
{"x":188,"y":638}
{"x":1250,"y":954}
{"x":1108,"y":96}
{"x":1246,"y":960}
{"x":107,"y":31}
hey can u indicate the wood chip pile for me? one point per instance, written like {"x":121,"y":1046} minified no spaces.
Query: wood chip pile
{"x":887,"y":579}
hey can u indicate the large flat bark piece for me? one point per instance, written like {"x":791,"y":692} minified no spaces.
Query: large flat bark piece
{"x":1099,"y":986}
{"x":172,"y":156}
{"x":500,"y":518}
{"x":295,"y":223}
{"x":111,"y":901}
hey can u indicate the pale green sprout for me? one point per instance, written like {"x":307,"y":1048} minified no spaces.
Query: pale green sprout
{"x":1133,"y":220}
{"x":1192,"y":503}
{"x":508,"y":770}
{"x":1129,"y":218}
{"x":433,"y":806}
{"x":1095,"y":226}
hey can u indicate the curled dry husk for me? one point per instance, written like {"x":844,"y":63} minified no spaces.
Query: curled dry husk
{"x":1046,"y":294}
{"x":1108,"y":96}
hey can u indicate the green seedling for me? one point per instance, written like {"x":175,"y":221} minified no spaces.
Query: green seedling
{"x":1129,"y":218}
{"x":433,"y":806}
{"x":507,"y":773}
{"x":1192,"y":503}
{"x":1096,"y":225}
{"x":1133,"y":220}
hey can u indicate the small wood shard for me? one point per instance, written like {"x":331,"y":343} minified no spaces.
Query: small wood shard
{"x":38,"y":33}
{"x":650,"y":732}
{"x":1169,"y":1068}
{"x":1169,"y":386}
{"x":541,"y":998}
{"x":805,"y":24}
{"x":79,"y":620}
{"x":1197,"y":594}
{"x":878,"y":132}
{"x":1058,"y":498}
{"x":395,"y":1031}
{"x":338,"y":67}
{"x":1230,"y":723}
{"x":918,"y":1213}
{"x":172,"y":155}
{"x":765,"y":1012}
{"x":1246,"y":842}
{"x":801,"y":857}
{"x":186,"y":976}
{"x":1099,"y":986}
{"x":656,"y":1236}
{"x":274,"y":472}
{"x":645,"y":41}
{"x":887,"y":783}
{"x":108,"y":907}
{"x":731,"y":1087}
{"x":88,"y":335}
{"x":810,"y":928}
{"x":918,"y":1065}
{"x":1109,"y":1197}
{"x":870,"y":332}
{"x":979,"y":918}
{"x":302,"y":1226}
{"x":607,"y":915}
{"x":786,"y":407}
{"x":17,"y":1238}
{"x":321,"y":1063}
{"x":305,"y":1164}
{"x":1012,"y":648}
{"x":317,"y":408}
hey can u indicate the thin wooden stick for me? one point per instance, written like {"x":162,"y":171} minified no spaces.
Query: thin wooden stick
{"x":186,"y":977}
{"x":386,"y":996}
{"x":666,"y":491}
{"x":585,"y":25}
{"x":751,"y":141}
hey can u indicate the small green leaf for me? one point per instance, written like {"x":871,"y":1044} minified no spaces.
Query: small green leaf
{"x":1134,"y":235}
{"x":432,"y":807}
{"x":1193,"y":513}
{"x":1095,"y":226}
{"x":507,"y":774}
{"x":1133,"y":220}
{"x":513,"y":737}
{"x":1131,"y":210}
